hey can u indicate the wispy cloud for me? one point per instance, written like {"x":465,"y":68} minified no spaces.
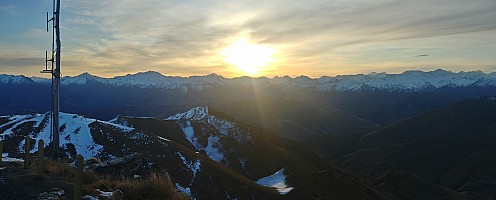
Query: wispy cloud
{"x":9,"y":9}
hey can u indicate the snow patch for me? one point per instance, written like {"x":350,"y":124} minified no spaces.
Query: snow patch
{"x":9,"y":159}
{"x":89,"y":197}
{"x":242,"y":162}
{"x":189,"y":132}
{"x":51,"y":195}
{"x":213,"y":149}
{"x":104,"y":194}
{"x":194,"y":167}
{"x":277,"y":181}
{"x":227,"y":128}
{"x":222,"y":126}
{"x":184,"y":190}
{"x":163,"y":138}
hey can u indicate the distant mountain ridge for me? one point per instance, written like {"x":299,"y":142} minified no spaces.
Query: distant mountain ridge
{"x":12,"y":79}
{"x":407,"y":81}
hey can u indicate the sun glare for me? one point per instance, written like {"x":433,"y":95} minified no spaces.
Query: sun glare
{"x":246,"y":56}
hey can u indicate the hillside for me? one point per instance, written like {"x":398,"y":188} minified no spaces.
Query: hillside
{"x":453,"y":147}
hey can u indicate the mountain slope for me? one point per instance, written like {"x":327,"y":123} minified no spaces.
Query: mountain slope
{"x":452,"y":147}
{"x":74,"y":132}
{"x":256,"y":153}
{"x":295,"y":119}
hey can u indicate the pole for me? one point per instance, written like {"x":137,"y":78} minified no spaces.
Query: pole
{"x":27,"y":148}
{"x":1,"y":146}
{"x":56,"y":81}
{"x":41,"y":147}
{"x":78,"y":183}
{"x":55,"y":72}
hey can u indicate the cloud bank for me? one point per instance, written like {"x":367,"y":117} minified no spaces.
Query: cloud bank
{"x":313,"y":37}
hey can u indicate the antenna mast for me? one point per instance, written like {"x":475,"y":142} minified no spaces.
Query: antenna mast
{"x":55,"y":71}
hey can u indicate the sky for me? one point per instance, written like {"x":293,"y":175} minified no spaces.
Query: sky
{"x":281,"y":37}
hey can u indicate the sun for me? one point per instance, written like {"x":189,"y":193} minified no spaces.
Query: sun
{"x":246,"y":56}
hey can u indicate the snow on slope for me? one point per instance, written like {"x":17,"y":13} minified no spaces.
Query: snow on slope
{"x":83,"y":78}
{"x":276,"y":180}
{"x":5,"y":158}
{"x":194,"y":167}
{"x":74,"y":130}
{"x":149,"y":79}
{"x":409,"y":80}
{"x":197,"y":114}
{"x":40,"y":80}
{"x":406,"y":81}
{"x":186,"y":190}
{"x":212,"y":149}
{"x":224,"y":128}
{"x":5,"y":79}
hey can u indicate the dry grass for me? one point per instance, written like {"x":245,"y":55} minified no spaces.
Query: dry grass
{"x":152,"y":187}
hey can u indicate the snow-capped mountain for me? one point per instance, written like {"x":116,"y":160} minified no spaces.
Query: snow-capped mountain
{"x":407,"y":81}
{"x":149,"y":79}
{"x":11,"y":79}
{"x":74,"y":132}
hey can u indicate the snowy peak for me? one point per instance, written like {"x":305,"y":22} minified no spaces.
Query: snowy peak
{"x":11,"y":79}
{"x":197,"y":114}
{"x":140,"y":79}
{"x":83,"y":78}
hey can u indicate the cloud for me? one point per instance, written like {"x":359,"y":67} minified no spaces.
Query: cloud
{"x":339,"y":36}
{"x":11,"y":10}
{"x":315,"y":36}
{"x":144,"y":34}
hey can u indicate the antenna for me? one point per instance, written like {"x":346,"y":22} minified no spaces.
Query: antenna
{"x":55,"y":71}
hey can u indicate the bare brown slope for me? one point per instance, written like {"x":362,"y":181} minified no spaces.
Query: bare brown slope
{"x":452,"y":147}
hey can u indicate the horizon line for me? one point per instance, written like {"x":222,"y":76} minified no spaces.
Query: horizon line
{"x":215,"y":74}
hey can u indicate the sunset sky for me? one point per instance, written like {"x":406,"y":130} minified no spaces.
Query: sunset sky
{"x":255,"y":38}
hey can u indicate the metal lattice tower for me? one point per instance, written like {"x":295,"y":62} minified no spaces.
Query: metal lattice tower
{"x":55,"y":71}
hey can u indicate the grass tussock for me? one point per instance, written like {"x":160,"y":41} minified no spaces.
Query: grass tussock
{"x":152,"y":187}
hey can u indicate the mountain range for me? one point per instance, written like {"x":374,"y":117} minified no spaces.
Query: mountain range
{"x":406,"y":81}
